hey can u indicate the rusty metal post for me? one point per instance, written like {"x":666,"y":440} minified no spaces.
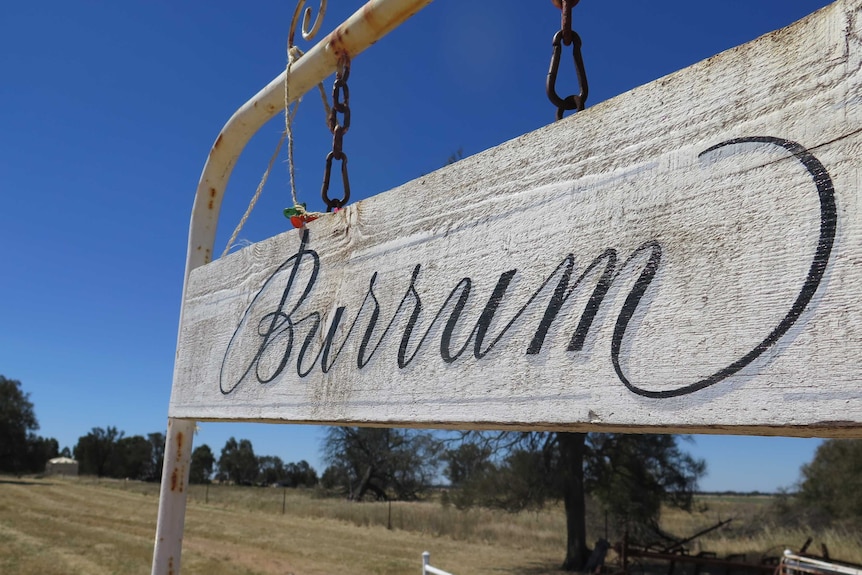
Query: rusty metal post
{"x":370,"y":23}
{"x":172,"y":497}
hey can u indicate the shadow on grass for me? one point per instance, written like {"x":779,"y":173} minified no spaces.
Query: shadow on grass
{"x":23,"y":482}
{"x":535,"y":568}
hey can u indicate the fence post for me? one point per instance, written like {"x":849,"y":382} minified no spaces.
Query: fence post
{"x":426,"y":559}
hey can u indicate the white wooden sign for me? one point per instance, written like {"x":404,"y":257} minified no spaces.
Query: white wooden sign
{"x":687,"y":255}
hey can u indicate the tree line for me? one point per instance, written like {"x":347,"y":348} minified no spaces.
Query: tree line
{"x":630,"y":477}
{"x":108,"y":452}
{"x":238,"y":464}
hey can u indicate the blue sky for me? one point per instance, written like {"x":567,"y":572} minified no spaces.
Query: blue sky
{"x":108,"y":111}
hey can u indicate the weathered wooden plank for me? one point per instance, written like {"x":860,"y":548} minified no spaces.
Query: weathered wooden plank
{"x":684,"y":257}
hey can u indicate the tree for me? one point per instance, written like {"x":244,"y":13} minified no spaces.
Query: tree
{"x":17,"y":421}
{"x":399,"y":463}
{"x":201,"y":468}
{"x":629,"y":475}
{"x":831,"y":487}
{"x":300,"y":474}
{"x":39,"y":451}
{"x":633,"y":475}
{"x":238,"y":462}
{"x":131,"y":457}
{"x":270,"y":470}
{"x":157,"y":456}
{"x":95,"y":451}
{"x":335,"y":477}
{"x":515,"y":481}
{"x":21,"y":450}
{"x":109,"y":453}
{"x":468,"y":460}
{"x":572,"y":448}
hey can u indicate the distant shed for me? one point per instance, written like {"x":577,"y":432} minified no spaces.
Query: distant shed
{"x":61,"y":466}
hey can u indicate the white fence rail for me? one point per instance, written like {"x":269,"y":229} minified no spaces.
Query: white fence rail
{"x":793,"y":564}
{"x":427,"y":569}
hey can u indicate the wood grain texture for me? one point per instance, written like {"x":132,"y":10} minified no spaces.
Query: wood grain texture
{"x":684,"y":257}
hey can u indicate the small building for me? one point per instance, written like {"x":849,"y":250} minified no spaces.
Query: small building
{"x":61,"y":466}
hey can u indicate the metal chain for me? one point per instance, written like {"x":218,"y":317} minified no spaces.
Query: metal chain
{"x":568,"y":37}
{"x":340,"y":105}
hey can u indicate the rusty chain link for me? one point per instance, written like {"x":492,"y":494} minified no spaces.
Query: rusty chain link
{"x":568,"y":37}
{"x":340,"y":105}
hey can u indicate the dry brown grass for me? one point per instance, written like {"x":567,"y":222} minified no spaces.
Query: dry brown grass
{"x":56,"y":526}
{"x":541,"y":531}
{"x":67,"y":527}
{"x":755,"y":531}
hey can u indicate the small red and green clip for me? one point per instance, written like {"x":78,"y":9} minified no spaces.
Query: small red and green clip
{"x":298,"y":216}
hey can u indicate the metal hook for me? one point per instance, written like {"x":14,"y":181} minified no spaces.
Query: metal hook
{"x":307,"y":33}
{"x":575,"y":101}
{"x":333,"y":203}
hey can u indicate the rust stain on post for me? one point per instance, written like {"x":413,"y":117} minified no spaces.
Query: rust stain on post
{"x":177,"y":476}
{"x":381,"y":28}
{"x":375,"y":27}
{"x":180,"y":443}
{"x":336,"y":43}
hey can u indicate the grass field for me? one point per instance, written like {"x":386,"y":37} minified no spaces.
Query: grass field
{"x":66,"y":527}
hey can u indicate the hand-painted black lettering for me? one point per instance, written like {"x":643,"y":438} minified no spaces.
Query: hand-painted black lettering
{"x":309,"y":338}
{"x":446,"y":339}
{"x":464,"y":287}
{"x":270,"y":335}
{"x":278,"y":330}
{"x":403,"y":360}
{"x":325,"y":366}
{"x":361,"y":361}
{"x":487,"y":316}
{"x":562,"y":293}
{"x":279,"y":321}
{"x":828,"y":224}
